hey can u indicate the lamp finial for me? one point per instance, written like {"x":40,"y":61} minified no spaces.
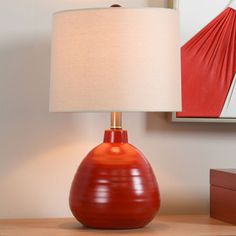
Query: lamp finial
{"x":115,"y":5}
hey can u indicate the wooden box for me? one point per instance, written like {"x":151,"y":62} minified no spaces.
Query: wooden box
{"x":223,"y":195}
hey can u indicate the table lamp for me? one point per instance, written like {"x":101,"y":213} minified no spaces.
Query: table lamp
{"x":115,"y":60}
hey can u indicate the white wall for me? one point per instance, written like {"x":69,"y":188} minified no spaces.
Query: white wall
{"x":39,"y":152}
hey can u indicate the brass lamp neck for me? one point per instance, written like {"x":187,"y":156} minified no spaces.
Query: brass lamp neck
{"x":116,"y":120}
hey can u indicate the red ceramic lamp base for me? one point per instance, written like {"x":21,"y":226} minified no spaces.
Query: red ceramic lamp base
{"x":114,"y":186}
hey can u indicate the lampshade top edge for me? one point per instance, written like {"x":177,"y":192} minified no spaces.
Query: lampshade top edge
{"x":114,"y":9}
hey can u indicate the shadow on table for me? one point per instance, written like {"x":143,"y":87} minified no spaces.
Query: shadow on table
{"x":153,"y":227}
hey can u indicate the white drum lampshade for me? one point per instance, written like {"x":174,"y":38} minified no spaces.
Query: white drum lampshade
{"x":116,"y":59}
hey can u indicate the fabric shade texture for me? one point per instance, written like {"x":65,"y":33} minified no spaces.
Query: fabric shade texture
{"x":116,"y":59}
{"x":209,"y":67}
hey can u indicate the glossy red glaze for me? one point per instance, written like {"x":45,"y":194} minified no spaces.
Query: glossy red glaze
{"x":114,"y":186}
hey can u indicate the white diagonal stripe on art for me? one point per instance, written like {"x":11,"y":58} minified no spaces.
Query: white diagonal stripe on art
{"x":229,"y":109}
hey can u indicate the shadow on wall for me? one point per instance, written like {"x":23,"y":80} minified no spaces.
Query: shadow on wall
{"x":27,"y":127}
{"x":193,"y":203}
{"x":161,"y":122}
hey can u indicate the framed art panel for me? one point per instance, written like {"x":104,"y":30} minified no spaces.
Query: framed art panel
{"x":208,"y":56}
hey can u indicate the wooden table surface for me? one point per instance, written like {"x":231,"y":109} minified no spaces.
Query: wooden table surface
{"x":163,"y":225}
